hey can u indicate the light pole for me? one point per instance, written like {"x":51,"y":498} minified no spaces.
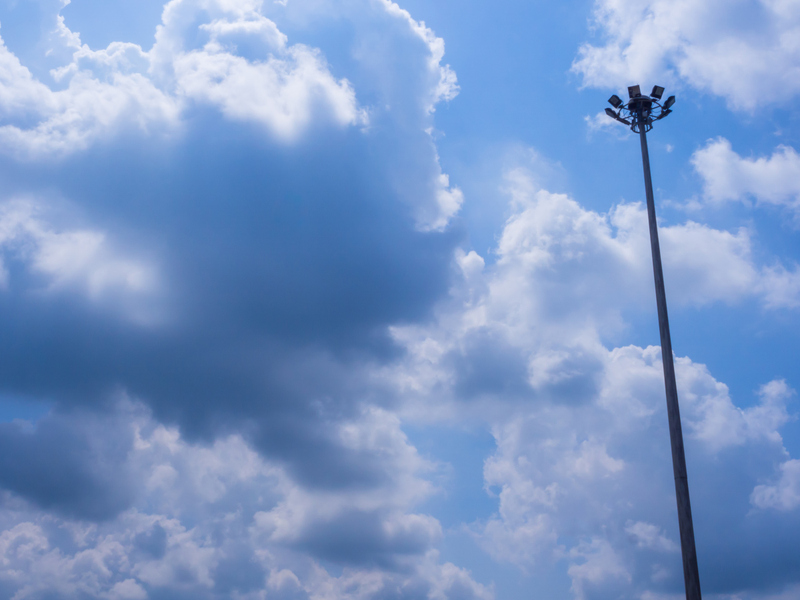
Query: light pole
{"x":638,"y":114}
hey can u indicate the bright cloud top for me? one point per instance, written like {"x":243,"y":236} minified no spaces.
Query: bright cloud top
{"x":521,"y":344}
{"x":220,"y":55}
{"x":746,"y":51}
{"x":81,"y":259}
{"x":284,"y":89}
{"x":770,"y":181}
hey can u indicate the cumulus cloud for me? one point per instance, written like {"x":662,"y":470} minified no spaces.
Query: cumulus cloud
{"x":781,"y":287}
{"x":582,"y":471}
{"x":90,"y":108}
{"x":600,"y":565}
{"x":735,"y":50}
{"x":785,"y":494}
{"x":648,"y":535}
{"x":215,"y":520}
{"x":445,"y":85}
{"x":284,"y":88}
{"x":71,"y":258}
{"x":302,"y":245}
{"x":572,"y":256}
{"x":285,"y":203}
{"x":769,"y":181}
{"x":261,"y":454}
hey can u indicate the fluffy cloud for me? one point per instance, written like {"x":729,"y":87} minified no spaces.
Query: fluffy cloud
{"x":582,"y":469}
{"x":601,"y":564}
{"x":220,"y":227}
{"x":281,"y":203}
{"x":265,"y":240}
{"x":704,"y":264}
{"x":568,"y":274}
{"x":785,"y":494}
{"x":770,"y":181}
{"x":445,"y":86}
{"x":215,"y":521}
{"x":284,"y":88}
{"x":73,"y":258}
{"x":744,"y":51}
{"x":648,"y":535}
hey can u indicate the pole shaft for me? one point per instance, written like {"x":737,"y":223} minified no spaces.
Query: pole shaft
{"x":691,"y":575}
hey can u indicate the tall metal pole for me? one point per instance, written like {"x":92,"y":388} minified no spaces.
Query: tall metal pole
{"x":691,"y":576}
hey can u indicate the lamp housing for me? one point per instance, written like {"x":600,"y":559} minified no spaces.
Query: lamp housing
{"x":634,"y":91}
{"x":615,"y":101}
{"x":657,"y":92}
{"x":669,"y":102}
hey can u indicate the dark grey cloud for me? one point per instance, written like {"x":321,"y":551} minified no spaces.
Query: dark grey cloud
{"x":373,"y":539}
{"x":486,"y":364}
{"x":282,"y":269}
{"x":279,"y":267}
{"x":74,"y":463}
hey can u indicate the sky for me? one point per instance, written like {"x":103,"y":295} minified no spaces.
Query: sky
{"x":352,"y":299}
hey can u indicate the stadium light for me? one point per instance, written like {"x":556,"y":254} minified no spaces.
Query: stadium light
{"x":640,"y":113}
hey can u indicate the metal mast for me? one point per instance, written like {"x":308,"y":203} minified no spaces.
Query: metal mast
{"x":637,"y":113}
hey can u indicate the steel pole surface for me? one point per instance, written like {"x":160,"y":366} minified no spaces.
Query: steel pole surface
{"x":691,"y":575}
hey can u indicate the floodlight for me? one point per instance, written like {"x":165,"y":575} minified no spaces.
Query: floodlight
{"x":640,"y":113}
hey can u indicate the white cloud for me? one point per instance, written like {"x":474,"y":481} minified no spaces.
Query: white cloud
{"x":285,"y":91}
{"x":87,"y":110}
{"x":602,"y":122}
{"x":720,"y":424}
{"x":593,"y":256}
{"x":74,"y":258}
{"x":600,"y":564}
{"x":445,"y":83}
{"x":283,"y":95}
{"x":770,"y":181}
{"x":564,"y":456}
{"x":436,"y":216}
{"x":783,"y":495}
{"x":647,"y":535}
{"x":781,"y":287}
{"x":745,"y":51}
{"x":582,"y":469}
{"x":123,"y":87}
{"x":220,"y":508}
{"x":563,"y":277}
{"x":127,"y":590}
{"x":230,"y":57}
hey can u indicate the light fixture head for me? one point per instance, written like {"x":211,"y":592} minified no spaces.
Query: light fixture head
{"x":634,"y":91}
{"x":612,"y":114}
{"x":669,"y":102}
{"x":657,"y":92}
{"x":615,"y":101}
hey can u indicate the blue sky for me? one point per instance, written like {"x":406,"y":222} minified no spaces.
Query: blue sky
{"x":326,"y":299}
